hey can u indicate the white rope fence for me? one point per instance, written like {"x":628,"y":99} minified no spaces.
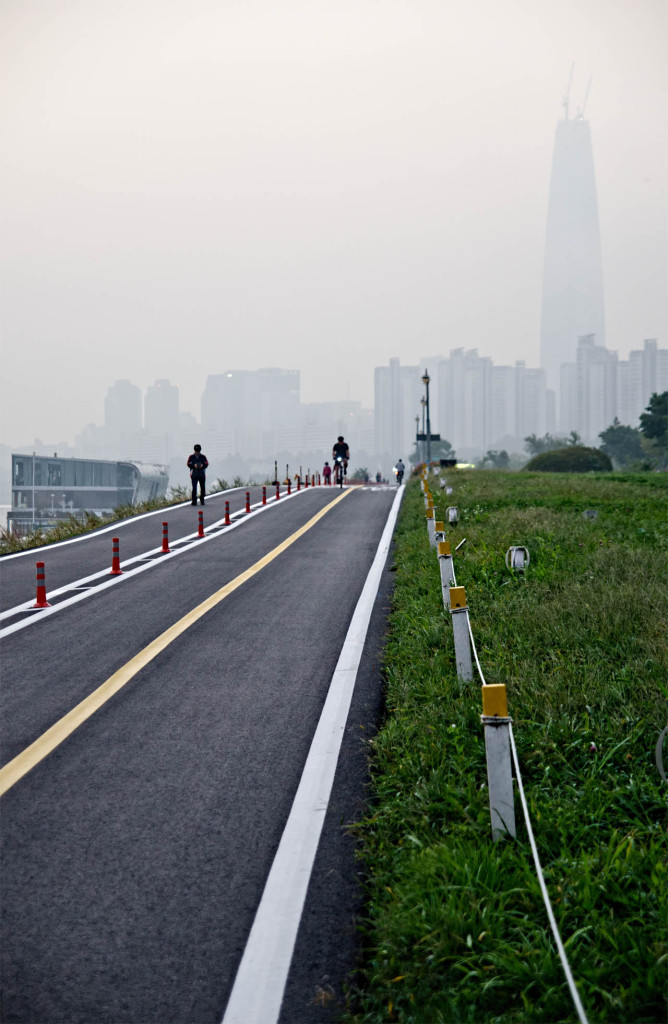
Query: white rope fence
{"x":498,"y":728}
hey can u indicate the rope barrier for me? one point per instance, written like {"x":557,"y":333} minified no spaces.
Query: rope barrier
{"x":543,"y":888}
{"x":532,"y":842}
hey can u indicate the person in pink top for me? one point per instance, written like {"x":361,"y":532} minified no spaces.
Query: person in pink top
{"x":327,"y":473}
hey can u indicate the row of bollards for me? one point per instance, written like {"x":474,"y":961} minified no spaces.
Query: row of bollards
{"x":495,"y":718}
{"x":41,"y":601}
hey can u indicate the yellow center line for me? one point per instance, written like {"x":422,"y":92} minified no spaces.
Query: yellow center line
{"x":53,"y":737}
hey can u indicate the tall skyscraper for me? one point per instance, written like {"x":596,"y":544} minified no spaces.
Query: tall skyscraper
{"x":573,"y":275}
{"x":122,"y":409}
{"x":397,"y":390}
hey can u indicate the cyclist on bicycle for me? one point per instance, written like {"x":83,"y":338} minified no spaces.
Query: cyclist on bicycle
{"x":399,"y":471}
{"x":341,"y":451}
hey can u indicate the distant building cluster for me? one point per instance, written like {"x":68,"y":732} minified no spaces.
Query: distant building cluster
{"x":478,"y":406}
{"x":249,"y":418}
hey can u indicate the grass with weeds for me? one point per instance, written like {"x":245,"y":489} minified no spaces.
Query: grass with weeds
{"x":456,"y":928}
{"x":74,"y":526}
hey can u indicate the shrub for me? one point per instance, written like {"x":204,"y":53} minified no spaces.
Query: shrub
{"x":573,"y":459}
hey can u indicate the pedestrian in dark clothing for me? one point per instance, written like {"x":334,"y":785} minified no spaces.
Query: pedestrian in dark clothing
{"x":197,"y":464}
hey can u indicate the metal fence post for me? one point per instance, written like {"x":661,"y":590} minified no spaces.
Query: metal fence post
{"x":499,"y":765}
{"x":460,"y":630}
{"x":447,"y":570}
{"x":430,"y":526}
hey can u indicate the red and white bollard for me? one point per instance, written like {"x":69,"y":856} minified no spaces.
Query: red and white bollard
{"x":306,"y":481}
{"x":227,"y":514}
{"x":200,"y":523}
{"x":278,"y":491}
{"x":289,"y":490}
{"x":41,"y":601}
{"x":115,"y":558}
{"x":299,"y":483}
{"x":248,"y":501}
{"x":165,"y":539}
{"x":264,"y":495}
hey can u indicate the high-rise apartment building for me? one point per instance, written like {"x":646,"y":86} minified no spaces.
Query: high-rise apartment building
{"x":483,"y":406}
{"x":397,"y":390}
{"x":161,"y":408}
{"x":243,"y":409}
{"x":638,"y":377}
{"x":122,"y":409}
{"x":572,"y":304}
{"x":596,"y":389}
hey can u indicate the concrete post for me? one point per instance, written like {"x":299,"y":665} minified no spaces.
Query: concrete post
{"x":499,"y":763}
{"x":460,"y":630}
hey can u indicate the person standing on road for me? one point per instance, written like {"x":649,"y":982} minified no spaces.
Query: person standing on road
{"x":197,"y":464}
{"x":327,"y":474}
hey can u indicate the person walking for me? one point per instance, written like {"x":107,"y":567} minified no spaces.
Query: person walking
{"x":198,"y":464}
{"x":327,"y":474}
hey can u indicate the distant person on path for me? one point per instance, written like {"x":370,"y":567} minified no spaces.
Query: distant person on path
{"x":399,"y":469}
{"x":198,"y":464}
{"x":379,"y":477}
{"x":327,"y":474}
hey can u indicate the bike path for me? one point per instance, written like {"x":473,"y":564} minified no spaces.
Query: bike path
{"x":89,"y":553}
{"x":135,"y":854}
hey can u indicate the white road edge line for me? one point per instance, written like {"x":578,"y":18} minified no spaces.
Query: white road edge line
{"x":257,"y":993}
{"x":117,"y":525}
{"x":43,"y":613}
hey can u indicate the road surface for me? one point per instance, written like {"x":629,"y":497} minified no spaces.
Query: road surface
{"x":135,"y":853}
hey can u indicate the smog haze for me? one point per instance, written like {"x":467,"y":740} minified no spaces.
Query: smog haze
{"x":192,"y":188}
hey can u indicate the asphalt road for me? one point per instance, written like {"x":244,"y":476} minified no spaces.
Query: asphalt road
{"x":135,"y":854}
{"x":81,"y":556}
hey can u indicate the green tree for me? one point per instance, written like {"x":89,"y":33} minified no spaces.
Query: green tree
{"x":654,"y":424}
{"x":439,"y":450}
{"x":574,"y":458}
{"x":622,"y":444}
{"x":499,"y":460}
{"x":536,"y":445}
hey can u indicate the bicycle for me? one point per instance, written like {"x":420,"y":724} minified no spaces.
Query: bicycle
{"x":339,"y":471}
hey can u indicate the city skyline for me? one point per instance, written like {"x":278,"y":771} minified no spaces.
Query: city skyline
{"x":319,"y":190}
{"x":475,"y":403}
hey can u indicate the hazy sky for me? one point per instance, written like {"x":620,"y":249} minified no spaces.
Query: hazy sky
{"x":195,"y":186}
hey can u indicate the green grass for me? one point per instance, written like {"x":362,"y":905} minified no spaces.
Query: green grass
{"x":456,"y":930}
{"x":74,"y":526}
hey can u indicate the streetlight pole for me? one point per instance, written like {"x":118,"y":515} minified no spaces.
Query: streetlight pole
{"x":423,"y":403}
{"x":425,"y":380}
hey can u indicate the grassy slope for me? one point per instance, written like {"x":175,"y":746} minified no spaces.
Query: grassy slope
{"x":457,"y":930}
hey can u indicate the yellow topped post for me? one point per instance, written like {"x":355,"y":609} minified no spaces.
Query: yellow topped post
{"x":495,"y":700}
{"x":499,"y":766}
{"x":459,"y":614}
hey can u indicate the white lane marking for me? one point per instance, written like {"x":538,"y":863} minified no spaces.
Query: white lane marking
{"x":119,"y":524}
{"x":160,"y":559}
{"x":259,"y":985}
{"x":151,"y":556}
